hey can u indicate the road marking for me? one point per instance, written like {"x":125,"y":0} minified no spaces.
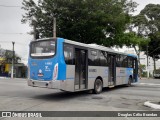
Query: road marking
{"x":149,"y":84}
{"x":152,"y":105}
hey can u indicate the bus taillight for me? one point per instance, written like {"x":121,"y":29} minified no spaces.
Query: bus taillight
{"x":55,"y":72}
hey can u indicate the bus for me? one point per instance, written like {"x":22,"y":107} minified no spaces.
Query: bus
{"x":73,"y":66}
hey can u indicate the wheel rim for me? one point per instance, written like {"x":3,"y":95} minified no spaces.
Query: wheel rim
{"x":98,"y":86}
{"x":129,"y":82}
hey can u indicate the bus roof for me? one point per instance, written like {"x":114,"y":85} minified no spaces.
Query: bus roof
{"x":132,"y":55}
{"x":93,"y":46}
{"x":98,"y":47}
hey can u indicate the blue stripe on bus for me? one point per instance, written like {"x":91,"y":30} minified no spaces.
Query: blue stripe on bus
{"x":96,"y":77}
{"x":70,"y":78}
{"x":88,"y":77}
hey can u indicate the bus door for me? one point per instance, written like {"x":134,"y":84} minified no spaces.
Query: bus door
{"x":112,"y":70}
{"x":81,"y":68}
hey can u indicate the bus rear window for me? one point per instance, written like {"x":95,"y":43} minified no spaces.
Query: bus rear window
{"x":42,"y":48}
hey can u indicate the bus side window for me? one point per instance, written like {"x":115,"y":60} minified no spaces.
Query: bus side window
{"x":118,"y":62}
{"x":130,"y":62}
{"x":125,"y":61}
{"x":121,"y":60}
{"x":93,"y":57}
{"x":68,"y":54}
{"x":103,"y":58}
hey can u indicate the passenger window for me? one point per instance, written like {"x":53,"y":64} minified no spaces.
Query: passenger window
{"x":125,"y":61}
{"x":103,"y":58}
{"x":93,"y":58}
{"x":130,"y":62}
{"x":118,"y":61}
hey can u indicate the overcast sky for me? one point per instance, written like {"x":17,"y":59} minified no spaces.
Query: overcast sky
{"x":11,"y":28}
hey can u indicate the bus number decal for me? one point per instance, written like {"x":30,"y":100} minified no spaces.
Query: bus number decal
{"x":48,"y":63}
{"x":92,"y":70}
{"x":122,"y":71}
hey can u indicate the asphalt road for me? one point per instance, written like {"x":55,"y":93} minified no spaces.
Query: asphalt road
{"x":15,"y":95}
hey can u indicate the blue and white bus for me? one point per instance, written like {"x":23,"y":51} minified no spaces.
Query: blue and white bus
{"x":72,"y":66}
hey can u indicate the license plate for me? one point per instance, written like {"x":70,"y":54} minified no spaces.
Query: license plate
{"x":40,"y":75}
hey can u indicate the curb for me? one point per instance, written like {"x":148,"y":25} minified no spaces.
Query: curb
{"x":152,"y":105}
{"x":13,"y":78}
{"x":4,"y":77}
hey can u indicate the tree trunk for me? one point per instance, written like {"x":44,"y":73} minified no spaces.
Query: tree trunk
{"x":154,"y":60}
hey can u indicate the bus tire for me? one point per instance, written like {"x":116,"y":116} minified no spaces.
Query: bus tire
{"x":129,"y":82}
{"x":98,"y":85}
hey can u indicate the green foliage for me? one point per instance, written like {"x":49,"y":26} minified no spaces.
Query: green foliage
{"x":9,"y":56}
{"x":141,"y":23}
{"x":144,"y":74}
{"x":148,"y":24}
{"x":151,"y":12}
{"x":132,"y":39}
{"x":154,"y":45}
{"x":142,"y":67}
{"x":87,"y":21}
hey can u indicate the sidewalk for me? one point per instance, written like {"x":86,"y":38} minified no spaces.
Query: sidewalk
{"x":145,"y":78}
{"x":13,"y":78}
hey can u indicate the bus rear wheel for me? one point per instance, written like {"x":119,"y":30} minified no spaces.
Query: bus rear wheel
{"x":98,"y":85}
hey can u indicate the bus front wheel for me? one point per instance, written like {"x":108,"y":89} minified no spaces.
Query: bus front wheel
{"x":98,"y":85}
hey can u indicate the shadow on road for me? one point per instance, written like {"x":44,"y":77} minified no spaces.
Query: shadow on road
{"x":70,"y":95}
{"x":61,"y":96}
{"x":117,"y":88}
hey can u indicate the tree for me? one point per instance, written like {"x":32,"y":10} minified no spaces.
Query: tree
{"x":9,"y":56}
{"x":142,"y":68}
{"x":139,"y":24}
{"x":88,"y":21}
{"x":135,"y":37}
{"x":138,"y":34}
{"x":154,"y":47}
{"x":151,"y":13}
{"x":148,"y":24}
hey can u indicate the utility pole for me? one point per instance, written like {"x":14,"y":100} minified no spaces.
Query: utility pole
{"x":12,"y":71}
{"x":54,"y":27}
{"x":147,"y":64}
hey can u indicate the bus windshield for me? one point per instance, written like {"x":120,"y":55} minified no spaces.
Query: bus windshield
{"x":42,"y":48}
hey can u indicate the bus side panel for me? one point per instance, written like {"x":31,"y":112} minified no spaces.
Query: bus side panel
{"x":120,"y":75}
{"x":68,"y":84}
{"x":97,"y":71}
